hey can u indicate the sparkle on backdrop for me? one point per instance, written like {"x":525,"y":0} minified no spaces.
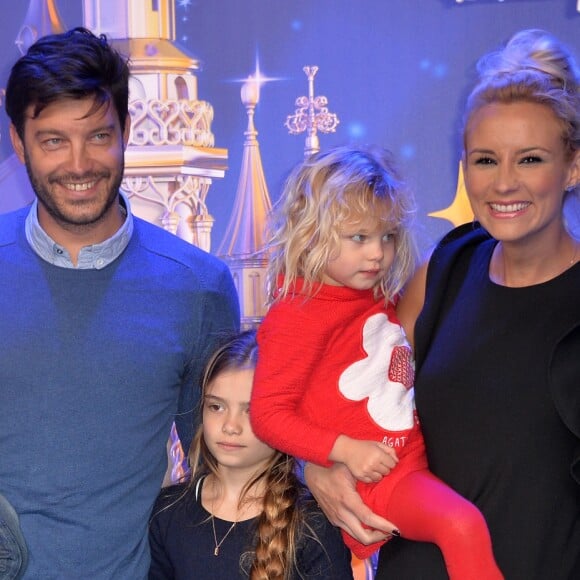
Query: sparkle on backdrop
{"x":184,"y":4}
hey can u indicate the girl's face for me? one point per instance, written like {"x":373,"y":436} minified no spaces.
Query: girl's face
{"x":226,"y":423}
{"x":516,"y":170}
{"x":366,"y":251}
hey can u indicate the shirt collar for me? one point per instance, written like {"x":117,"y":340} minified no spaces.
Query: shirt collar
{"x":92,"y":257}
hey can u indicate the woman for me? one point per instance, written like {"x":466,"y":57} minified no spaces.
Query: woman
{"x":498,"y":339}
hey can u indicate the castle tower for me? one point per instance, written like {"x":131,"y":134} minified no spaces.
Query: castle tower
{"x":244,"y":237}
{"x":171,"y":160}
{"x":41,"y":18}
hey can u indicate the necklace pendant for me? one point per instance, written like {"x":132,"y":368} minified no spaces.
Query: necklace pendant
{"x":216,"y":552}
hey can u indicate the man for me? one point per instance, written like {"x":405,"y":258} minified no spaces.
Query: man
{"x":106,"y":322}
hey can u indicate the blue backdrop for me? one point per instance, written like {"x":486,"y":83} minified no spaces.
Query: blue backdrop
{"x":396,"y":72}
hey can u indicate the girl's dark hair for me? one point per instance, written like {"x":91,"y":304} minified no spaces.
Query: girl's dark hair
{"x":71,"y":65}
{"x":282,"y":519}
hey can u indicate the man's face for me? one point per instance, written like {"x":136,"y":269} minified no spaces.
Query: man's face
{"x":75,"y":164}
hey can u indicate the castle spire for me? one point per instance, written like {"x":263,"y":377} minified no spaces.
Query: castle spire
{"x":41,"y":18}
{"x":244,"y":237}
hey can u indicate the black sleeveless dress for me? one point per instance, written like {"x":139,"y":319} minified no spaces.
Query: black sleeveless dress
{"x":498,"y":394}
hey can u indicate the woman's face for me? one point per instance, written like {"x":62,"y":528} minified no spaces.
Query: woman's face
{"x":516,"y":169}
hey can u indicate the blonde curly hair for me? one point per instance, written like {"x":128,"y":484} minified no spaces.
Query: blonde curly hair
{"x":325,"y":190}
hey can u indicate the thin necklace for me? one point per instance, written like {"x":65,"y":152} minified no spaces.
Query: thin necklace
{"x":216,"y":551}
{"x":573,"y":260}
{"x":566,"y":267}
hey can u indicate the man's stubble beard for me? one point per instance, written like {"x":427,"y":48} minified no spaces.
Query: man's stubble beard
{"x":68,"y":220}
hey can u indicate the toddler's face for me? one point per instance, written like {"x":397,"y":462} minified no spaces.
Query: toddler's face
{"x":366,"y":251}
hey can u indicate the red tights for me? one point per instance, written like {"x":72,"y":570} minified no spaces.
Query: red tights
{"x":427,"y":510}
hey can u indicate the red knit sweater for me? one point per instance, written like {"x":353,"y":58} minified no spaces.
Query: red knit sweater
{"x":334,"y":363}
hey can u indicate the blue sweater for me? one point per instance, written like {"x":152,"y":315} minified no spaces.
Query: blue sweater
{"x":94,"y":364}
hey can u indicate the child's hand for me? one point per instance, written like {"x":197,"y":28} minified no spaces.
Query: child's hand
{"x":368,"y":461}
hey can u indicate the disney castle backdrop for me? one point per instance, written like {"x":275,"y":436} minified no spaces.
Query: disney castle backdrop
{"x":210,"y":147}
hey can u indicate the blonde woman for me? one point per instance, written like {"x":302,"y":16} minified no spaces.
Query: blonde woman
{"x":498,"y":340}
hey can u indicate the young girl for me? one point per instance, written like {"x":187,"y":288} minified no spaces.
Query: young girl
{"x":243,"y":513}
{"x":334,"y":382}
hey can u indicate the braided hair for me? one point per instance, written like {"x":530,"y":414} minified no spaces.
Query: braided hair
{"x":282,"y":519}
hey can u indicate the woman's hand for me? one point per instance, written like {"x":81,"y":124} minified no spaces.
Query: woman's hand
{"x":334,"y":490}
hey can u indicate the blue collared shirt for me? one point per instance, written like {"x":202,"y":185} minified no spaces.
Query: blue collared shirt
{"x":92,"y":257}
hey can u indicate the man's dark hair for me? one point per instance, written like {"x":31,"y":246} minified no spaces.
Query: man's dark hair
{"x":72,"y":65}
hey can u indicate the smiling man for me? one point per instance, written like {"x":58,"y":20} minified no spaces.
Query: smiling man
{"x":106,"y":322}
{"x":73,"y":151}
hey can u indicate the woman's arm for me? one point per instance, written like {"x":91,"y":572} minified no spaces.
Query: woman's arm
{"x":411,"y":302}
{"x":334,"y":490}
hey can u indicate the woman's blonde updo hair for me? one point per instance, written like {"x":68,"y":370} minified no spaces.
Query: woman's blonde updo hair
{"x":534,"y":67}
{"x":342,"y":184}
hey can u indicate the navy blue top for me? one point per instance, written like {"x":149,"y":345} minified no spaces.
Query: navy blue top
{"x":183,"y":544}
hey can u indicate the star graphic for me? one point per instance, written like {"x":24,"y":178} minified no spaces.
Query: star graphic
{"x":459,"y":212}
{"x":257,"y":79}
{"x":184,"y":3}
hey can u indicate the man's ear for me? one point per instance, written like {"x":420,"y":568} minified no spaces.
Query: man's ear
{"x":17,"y":143}
{"x":126,"y":131}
